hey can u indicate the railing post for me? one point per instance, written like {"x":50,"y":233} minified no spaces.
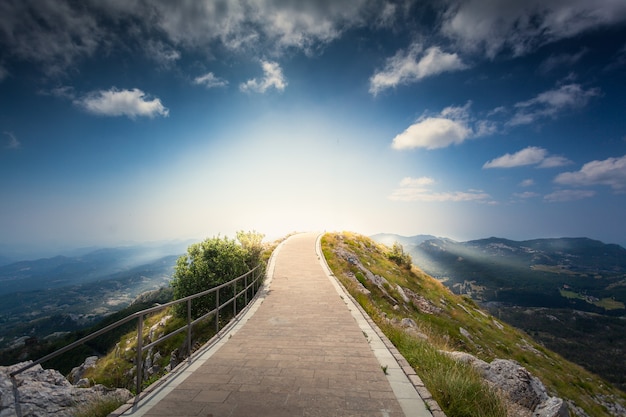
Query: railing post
{"x":139,"y":359}
{"x":217,"y":311}
{"x":234,"y":298}
{"x":189,"y":329}
{"x":245,"y":285}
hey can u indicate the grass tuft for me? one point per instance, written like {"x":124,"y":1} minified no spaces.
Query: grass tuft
{"x":100,"y":407}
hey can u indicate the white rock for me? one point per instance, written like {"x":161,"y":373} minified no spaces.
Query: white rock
{"x":45,"y":392}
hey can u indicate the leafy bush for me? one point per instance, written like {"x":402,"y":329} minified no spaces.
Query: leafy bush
{"x":210,"y":263}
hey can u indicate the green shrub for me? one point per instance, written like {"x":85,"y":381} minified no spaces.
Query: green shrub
{"x":400,"y":257}
{"x":210,"y":263}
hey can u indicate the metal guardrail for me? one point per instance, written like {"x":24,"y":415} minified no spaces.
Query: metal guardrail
{"x":251,"y":279}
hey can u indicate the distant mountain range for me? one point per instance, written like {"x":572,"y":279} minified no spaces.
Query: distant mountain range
{"x":63,"y":293}
{"x":567,"y":293}
{"x":576,"y":273}
{"x":61,"y":271}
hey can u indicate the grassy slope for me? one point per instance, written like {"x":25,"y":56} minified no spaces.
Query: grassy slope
{"x":490,"y":338}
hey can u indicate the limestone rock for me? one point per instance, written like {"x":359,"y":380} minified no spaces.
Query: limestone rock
{"x":45,"y":392}
{"x":78,"y":372}
{"x":160,"y":325}
{"x":400,"y":290}
{"x":408,"y":322}
{"x":521,"y":387}
{"x":552,"y":407}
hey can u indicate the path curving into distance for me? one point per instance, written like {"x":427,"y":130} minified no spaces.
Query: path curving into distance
{"x":300,"y":350}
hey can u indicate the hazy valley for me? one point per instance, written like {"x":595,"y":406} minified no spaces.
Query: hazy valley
{"x":44,"y":298}
{"x":568,"y":294}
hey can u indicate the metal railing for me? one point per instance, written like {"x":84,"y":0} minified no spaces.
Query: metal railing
{"x":251,"y":280}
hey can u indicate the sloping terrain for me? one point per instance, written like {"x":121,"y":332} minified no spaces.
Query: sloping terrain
{"x":569,"y":294}
{"x":454,"y":323}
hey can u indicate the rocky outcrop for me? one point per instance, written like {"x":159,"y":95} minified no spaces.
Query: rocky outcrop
{"x":377,"y":280}
{"x":45,"y":392}
{"x":77,"y":374}
{"x":527,"y":394}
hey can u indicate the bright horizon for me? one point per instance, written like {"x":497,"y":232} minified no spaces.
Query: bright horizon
{"x":128,"y":122}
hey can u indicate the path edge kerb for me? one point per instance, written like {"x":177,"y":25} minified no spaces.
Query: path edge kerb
{"x":407,"y":369}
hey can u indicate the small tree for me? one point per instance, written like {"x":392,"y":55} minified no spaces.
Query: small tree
{"x":398,"y":256}
{"x":205,"y":265}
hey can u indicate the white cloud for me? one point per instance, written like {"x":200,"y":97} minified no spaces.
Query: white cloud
{"x":209,"y":80}
{"x":410,"y":66}
{"x":528,"y":156}
{"x":521,"y":26}
{"x":562,"y":196}
{"x":250,"y":25}
{"x":114,"y":102}
{"x":416,"y":189}
{"x":554,"y":162}
{"x":551,"y":103}
{"x":611,"y":172}
{"x":432,"y":133}
{"x":272,"y":77}
{"x":527,"y":183}
{"x":561,"y":60}
{"x":450,"y":127}
{"x":13,"y":143}
{"x":165,"y":55}
{"x":532,"y":155}
{"x":416,"y":182}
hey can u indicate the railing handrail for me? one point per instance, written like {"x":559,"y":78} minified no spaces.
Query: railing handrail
{"x":141,"y":314}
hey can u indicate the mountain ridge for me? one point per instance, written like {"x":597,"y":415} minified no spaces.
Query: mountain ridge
{"x":569,"y":293}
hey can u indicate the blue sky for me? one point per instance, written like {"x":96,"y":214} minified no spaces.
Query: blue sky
{"x":131,"y":121}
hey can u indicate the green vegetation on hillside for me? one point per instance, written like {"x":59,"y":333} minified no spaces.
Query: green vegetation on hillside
{"x":440,"y":316}
{"x":206,"y":265}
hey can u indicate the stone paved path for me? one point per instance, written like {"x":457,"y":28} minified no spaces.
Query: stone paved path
{"x":300,"y":354}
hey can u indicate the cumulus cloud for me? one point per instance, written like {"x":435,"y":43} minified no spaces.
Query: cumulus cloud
{"x":12,"y":143}
{"x":417,"y":189}
{"x":610,"y":172}
{"x":562,"y":196}
{"x":130,"y":103}
{"x":413,"y":65}
{"x":450,"y":127}
{"x":551,"y":103}
{"x":209,"y":80}
{"x":272,"y":77}
{"x":521,"y":26}
{"x":529,"y":182}
{"x":532,"y":155}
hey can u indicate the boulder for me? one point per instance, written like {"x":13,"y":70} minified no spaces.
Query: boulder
{"x":521,"y":387}
{"x":45,"y":392}
{"x":78,"y":373}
